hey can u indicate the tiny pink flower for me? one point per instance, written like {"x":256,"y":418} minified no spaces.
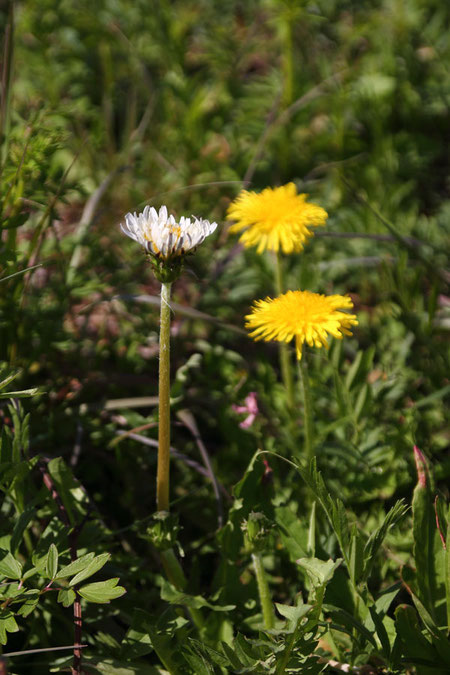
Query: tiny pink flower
{"x":250,"y":409}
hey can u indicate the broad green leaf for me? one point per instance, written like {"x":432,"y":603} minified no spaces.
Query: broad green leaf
{"x":137,"y":641}
{"x":9,"y":566}
{"x":7,"y":625}
{"x":414,"y":642}
{"x":102,"y":591}
{"x":93,"y":567}
{"x":51,"y":565}
{"x":75,"y":566}
{"x":66,"y":596}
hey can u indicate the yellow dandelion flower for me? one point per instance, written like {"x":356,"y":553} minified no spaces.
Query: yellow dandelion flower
{"x":307,"y":317}
{"x":275,"y":218}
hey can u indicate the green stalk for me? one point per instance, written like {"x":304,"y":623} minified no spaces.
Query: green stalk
{"x":285,"y":354}
{"x":162,"y":475}
{"x":172,"y":567}
{"x":307,"y":409}
{"x":264,"y":592}
{"x":286,"y":655}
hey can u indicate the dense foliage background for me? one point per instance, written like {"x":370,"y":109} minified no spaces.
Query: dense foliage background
{"x":110,"y":105}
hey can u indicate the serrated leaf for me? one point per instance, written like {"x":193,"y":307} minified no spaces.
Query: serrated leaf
{"x":233,"y":659}
{"x":66,"y":596}
{"x":76,"y":566}
{"x":318,"y":571}
{"x":212,"y":654}
{"x":376,"y":539}
{"x":9,"y":566}
{"x":293,"y":614}
{"x":51,"y":564}
{"x":102,"y":591}
{"x":198,"y":663}
{"x":94,"y":566}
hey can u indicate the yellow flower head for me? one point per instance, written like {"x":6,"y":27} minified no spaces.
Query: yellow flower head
{"x":275,"y":217}
{"x":305,"y":316}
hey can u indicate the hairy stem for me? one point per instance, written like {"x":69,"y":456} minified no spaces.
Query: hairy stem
{"x":162,"y":476}
{"x":264,"y":592}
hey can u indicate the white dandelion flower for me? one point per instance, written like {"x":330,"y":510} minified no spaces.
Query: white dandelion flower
{"x":162,"y":236}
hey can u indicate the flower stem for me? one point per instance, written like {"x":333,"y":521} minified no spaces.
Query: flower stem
{"x":285,"y":354}
{"x":264,"y":592}
{"x":307,"y":409}
{"x":172,"y":567}
{"x":162,"y":475}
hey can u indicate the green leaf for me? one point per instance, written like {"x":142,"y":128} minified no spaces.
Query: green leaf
{"x":75,"y":566}
{"x":380,"y":631}
{"x":67,"y":487}
{"x":93,"y":567}
{"x":414,"y":642}
{"x":137,"y":641}
{"x":66,"y":596}
{"x":23,"y":393}
{"x":170,"y":594}
{"x":102,"y":591}
{"x":376,"y":539}
{"x":9,"y":566}
{"x":30,"y":603}
{"x":293,"y":614}
{"x":51,"y":565}
{"x":424,"y":533}
{"x":347,"y":620}
{"x":209,"y":653}
{"x":198,"y":664}
{"x":7,"y":625}
{"x":20,"y":526}
{"x":356,"y":556}
{"x":318,"y":571}
{"x":233,"y":659}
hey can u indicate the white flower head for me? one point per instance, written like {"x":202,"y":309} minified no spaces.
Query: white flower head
{"x":162,"y":236}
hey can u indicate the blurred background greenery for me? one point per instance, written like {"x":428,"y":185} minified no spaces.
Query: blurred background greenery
{"x":111,"y":105}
